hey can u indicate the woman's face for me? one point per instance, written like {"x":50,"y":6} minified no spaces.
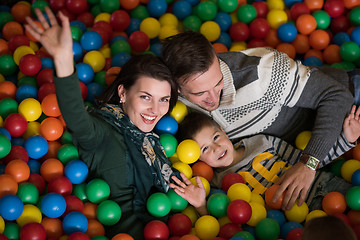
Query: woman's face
{"x":146,"y":102}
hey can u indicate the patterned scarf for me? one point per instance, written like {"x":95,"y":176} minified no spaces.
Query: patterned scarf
{"x":151,"y":166}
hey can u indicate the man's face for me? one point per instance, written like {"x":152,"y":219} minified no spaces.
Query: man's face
{"x":204,"y":89}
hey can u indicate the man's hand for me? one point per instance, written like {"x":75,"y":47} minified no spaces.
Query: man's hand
{"x":297,"y":181}
{"x":351,"y":125}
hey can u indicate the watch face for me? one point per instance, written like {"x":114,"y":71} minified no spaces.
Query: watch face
{"x":312,"y":163}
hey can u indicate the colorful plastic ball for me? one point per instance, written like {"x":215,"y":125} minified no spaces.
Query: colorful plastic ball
{"x":203,"y":170}
{"x":108,"y":212}
{"x":206,"y":10}
{"x":239,"y":191}
{"x":211,"y":30}
{"x":95,"y":59}
{"x":158,"y":204}
{"x":85,"y":72}
{"x":207,"y":227}
{"x":227,"y":6}
{"x":11,"y":231}
{"x":36,"y":146}
{"x":217,"y":204}
{"x":192,"y":22}
{"x":30,"y":64}
{"x":139,"y":41}
{"x":223,"y":20}
{"x":94,"y":89}
{"x":179,"y":224}
{"x":30,"y":108}
{"x":122,"y":236}
{"x":267,"y":229}
{"x":177,"y":202}
{"x":334,"y":8}
{"x":156,"y":8}
{"x":51,"y":128}
{"x":51,"y":168}
{"x":276,"y":17}
{"x":20,"y":52}
{"x":319,"y":39}
{"x":246,"y":13}
{"x":239,"y":211}
{"x":129,"y":4}
{"x":287,"y":227}
{"x":33,"y":231}
{"x":182,"y":9}
{"x":151,"y":27}
{"x":305,"y":24}
{"x":16,"y":124}
{"x":188,"y":151}
{"x":16,"y":152}
{"x":230,"y":179}
{"x":348,"y":168}
{"x":287,"y":32}
{"x":18,"y":169}
{"x":67,"y":152}
{"x":259,"y":28}
{"x":120,"y":59}
{"x":26,"y":91}
{"x":205,"y":183}
{"x":322,"y":19}
{"x":314,"y":214}
{"x":302,"y":139}
{"x":183,"y":168}
{"x":334,"y":203}
{"x":258,"y":213}
{"x":298,"y":9}
{"x":119,"y":20}
{"x":60,"y":185}
{"x":179,"y":111}
{"x":156,"y":229}
{"x":7,"y":105}
{"x":239,"y":32}
{"x":355,"y":178}
{"x":75,"y":222}
{"x":91,"y":40}
{"x":97,"y":190}
{"x":5,"y":146}
{"x":169,"y":144}
{"x":30,"y":214}
{"x":5,"y":132}
{"x":50,"y":106}
{"x":7,"y":65}
{"x":11,"y":207}
{"x":277,"y":215}
{"x":312,"y":61}
{"x":297,"y":213}
{"x":28,"y":193}
{"x":269,"y":194}
{"x":352,"y":198}
{"x":53,"y":205}
{"x":76,"y":171}
{"x":77,"y":6}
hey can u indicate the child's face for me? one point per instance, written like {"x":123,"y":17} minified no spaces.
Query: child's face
{"x":216,"y":148}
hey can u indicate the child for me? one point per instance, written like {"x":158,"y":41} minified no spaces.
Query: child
{"x":260,"y":159}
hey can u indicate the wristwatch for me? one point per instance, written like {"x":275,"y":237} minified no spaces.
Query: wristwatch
{"x":310,"y":161}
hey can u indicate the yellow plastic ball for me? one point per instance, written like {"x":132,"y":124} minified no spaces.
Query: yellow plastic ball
{"x":151,"y":27}
{"x":174,"y":158}
{"x":204,"y":182}
{"x":1,"y":121}
{"x":103,"y":17}
{"x":276,"y":4}
{"x":188,"y":151}
{"x":258,"y":212}
{"x":315,"y":214}
{"x":191,"y":212}
{"x":255,"y":197}
{"x":297,"y":213}
{"x":234,"y":18}
{"x":30,"y":214}
{"x":34,"y":46}
{"x":95,"y":59}
{"x":210,"y":30}
{"x":302,"y":139}
{"x":169,"y":19}
{"x":2,"y":78}
{"x":239,"y":191}
{"x":179,"y":111}
{"x":105,"y":51}
{"x":276,"y":17}
{"x":207,"y":227}
{"x":348,"y":168}
{"x":22,"y":51}
{"x":184,"y":168}
{"x":30,"y":108}
{"x":2,"y":225}
{"x":33,"y":128}
{"x":237,"y":46}
{"x":167,"y":31}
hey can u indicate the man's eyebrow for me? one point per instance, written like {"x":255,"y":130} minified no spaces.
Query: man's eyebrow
{"x":217,"y":84}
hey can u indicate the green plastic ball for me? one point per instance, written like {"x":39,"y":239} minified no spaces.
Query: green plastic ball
{"x":66,"y":138}
{"x":7,"y":107}
{"x":7,"y":65}
{"x":246,"y":13}
{"x":100,"y":78}
{"x":95,"y":10}
{"x":322,"y":19}
{"x":350,"y":51}
{"x":5,"y":17}
{"x":99,"y":238}
{"x":335,"y":167}
{"x":217,"y":204}
{"x":354,"y":16}
{"x":5,"y":146}
{"x":245,"y":235}
{"x":12,"y":230}
{"x":206,"y":11}
{"x":27,"y":80}
{"x":109,"y":6}
{"x":267,"y":229}
{"x":97,"y":190}
{"x":67,"y":152}
{"x":76,"y":33}
{"x":39,"y":4}
{"x":79,"y":190}
{"x":140,"y":12}
{"x":120,"y":46}
{"x":192,"y":23}
{"x":169,"y":144}
{"x":177,"y":202}
{"x":352,"y":197}
{"x":108,"y":212}
{"x":158,"y":204}
{"x":28,"y":193}
{"x":227,"y":6}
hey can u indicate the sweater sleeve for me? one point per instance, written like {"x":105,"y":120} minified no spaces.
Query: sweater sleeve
{"x":77,"y":119}
{"x":331,"y":101}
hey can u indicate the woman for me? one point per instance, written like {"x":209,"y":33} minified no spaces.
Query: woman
{"x":115,"y":139}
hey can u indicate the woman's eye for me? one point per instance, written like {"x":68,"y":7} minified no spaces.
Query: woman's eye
{"x":165,"y":100}
{"x":145,"y":97}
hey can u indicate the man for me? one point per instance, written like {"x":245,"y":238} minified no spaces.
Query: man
{"x":261,"y":90}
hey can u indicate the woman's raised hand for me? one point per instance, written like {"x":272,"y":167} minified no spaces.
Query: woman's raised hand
{"x":55,"y":39}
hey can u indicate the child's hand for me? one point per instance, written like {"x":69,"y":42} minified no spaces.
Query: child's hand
{"x":351,"y":125}
{"x":196,"y":196}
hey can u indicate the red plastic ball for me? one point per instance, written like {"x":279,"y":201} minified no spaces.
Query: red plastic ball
{"x":259,"y":28}
{"x":334,"y":8}
{"x":16,"y":124}
{"x":120,"y":20}
{"x":83,"y":89}
{"x":78,"y":236}
{"x":46,"y":89}
{"x":253,"y":43}
{"x":139,"y":41}
{"x":340,"y":24}
{"x":77,"y":6}
{"x":33,"y":231}
{"x":30,"y":64}
{"x":56,"y":5}
{"x":230,"y":179}
{"x":17,"y":41}
{"x":67,"y":13}
{"x":16,"y":152}
{"x":45,"y":76}
{"x":295,"y":234}
{"x":261,"y":8}
{"x":38,"y":181}
{"x":73,"y":203}
{"x":104,"y":25}
{"x":156,"y":229}
{"x":298,"y":9}
{"x":60,"y":185}
{"x":239,"y":211}
{"x":239,"y":32}
{"x":179,"y":224}
{"x":87,"y":18}
{"x":228,"y":230}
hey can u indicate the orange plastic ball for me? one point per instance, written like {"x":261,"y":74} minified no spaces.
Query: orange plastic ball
{"x":301,"y":44}
{"x":49,"y":106}
{"x":29,"y":35}
{"x":314,"y":4}
{"x":129,"y":4}
{"x":272,"y":38}
{"x":314,"y":53}
{"x":189,"y":237}
{"x":51,"y":129}
{"x":287,"y":48}
{"x":334,"y":203}
{"x":331,"y":55}
{"x":305,"y":24}
{"x":203,"y":170}
{"x":90,"y":210}
{"x":7,"y":90}
{"x":18,"y":169}
{"x":111,"y":74}
{"x":122,"y":236}
{"x":319,"y":39}
{"x":95,"y":228}
{"x":11,"y":29}
{"x":356,"y":152}
{"x":51,"y":169}
{"x":4,"y":47}
{"x":20,"y":11}
{"x":53,"y":149}
{"x":53,"y":227}
{"x":8,"y":185}
{"x":219,"y":47}
{"x":269,"y":194}
{"x":349,"y":4}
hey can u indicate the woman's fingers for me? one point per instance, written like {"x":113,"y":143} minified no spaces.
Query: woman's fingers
{"x":42,"y":20}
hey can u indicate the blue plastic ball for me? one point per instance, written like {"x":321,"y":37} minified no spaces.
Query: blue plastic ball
{"x":341,"y":38}
{"x":47,"y":62}
{"x":287,"y":32}
{"x":5,"y":132}
{"x":17,"y":141}
{"x":26,"y":91}
{"x":355,"y":35}
{"x":181,"y":9}
{"x":91,"y":40}
{"x":36,"y":146}
{"x":85,"y":72}
{"x":277,"y":216}
{"x":157,"y":8}
{"x":11,"y":207}
{"x":78,"y":24}
{"x":34,"y":166}
{"x":76,"y":171}
{"x":120,"y":59}
{"x":134,"y":26}
{"x":193,"y":2}
{"x":77,"y":51}
{"x":75,"y":222}
{"x":287,"y":227}
{"x":94,"y":89}
{"x":312,"y":61}
{"x":225,"y":39}
{"x":53,"y":205}
{"x":119,"y":37}
{"x":166,"y":124}
{"x":156,"y":49}
{"x":289,"y":3}
{"x":223,"y":20}
{"x":355,"y":178}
